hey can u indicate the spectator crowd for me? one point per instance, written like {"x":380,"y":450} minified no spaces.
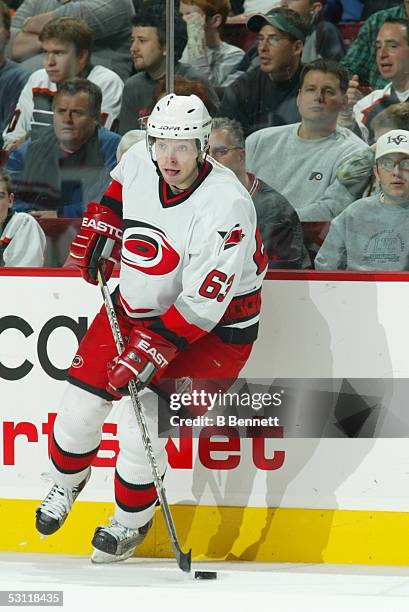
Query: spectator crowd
{"x":310,"y":107}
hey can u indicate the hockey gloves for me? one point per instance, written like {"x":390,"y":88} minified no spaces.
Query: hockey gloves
{"x":145,"y":354}
{"x":100,"y":236}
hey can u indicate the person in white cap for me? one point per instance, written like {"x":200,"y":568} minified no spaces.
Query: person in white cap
{"x":188,"y":305}
{"x":373,"y":233}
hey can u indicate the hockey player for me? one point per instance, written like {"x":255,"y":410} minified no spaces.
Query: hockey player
{"x":188,"y":303}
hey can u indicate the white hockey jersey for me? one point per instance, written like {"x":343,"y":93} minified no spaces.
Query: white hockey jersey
{"x":196,"y":259}
{"x":366,"y":109}
{"x":33,"y":110}
{"x":22,"y":242}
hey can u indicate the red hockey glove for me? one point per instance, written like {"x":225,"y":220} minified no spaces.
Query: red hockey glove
{"x":100,"y":236}
{"x":145,"y":354}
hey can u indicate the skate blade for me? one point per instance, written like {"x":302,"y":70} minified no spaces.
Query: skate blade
{"x":98,"y":556}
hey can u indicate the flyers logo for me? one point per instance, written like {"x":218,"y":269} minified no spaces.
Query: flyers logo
{"x":231,"y":238}
{"x":147,"y":249}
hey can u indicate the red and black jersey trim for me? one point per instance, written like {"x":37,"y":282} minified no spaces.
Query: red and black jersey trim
{"x":160,"y":328}
{"x":242,"y":308}
{"x":134,"y":497}
{"x":174,"y":327}
{"x":237,"y":335}
{"x":169,"y":199}
{"x":103,"y":393}
{"x":112,"y":198}
{"x":70,"y":463}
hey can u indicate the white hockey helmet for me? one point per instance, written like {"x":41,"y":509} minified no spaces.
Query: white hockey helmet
{"x":180,"y":117}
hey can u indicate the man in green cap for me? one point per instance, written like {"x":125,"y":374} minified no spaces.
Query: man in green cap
{"x":266,"y":95}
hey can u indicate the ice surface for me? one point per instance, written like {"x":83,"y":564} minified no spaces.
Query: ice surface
{"x":158,"y":585}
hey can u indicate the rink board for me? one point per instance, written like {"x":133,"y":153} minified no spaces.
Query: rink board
{"x":334,"y":499}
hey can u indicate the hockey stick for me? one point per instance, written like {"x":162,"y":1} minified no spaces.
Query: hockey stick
{"x":183,"y":559}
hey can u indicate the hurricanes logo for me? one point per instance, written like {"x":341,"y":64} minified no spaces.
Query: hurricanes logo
{"x":147,"y":248}
{"x":315,"y":176}
{"x":231,"y":238}
{"x":397,"y":139}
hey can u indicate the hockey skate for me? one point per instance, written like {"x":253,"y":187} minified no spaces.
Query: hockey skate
{"x":53,"y":511}
{"x":114,"y":542}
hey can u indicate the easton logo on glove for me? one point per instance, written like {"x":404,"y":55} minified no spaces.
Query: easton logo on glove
{"x":103,"y":227}
{"x":144,"y":355}
{"x":157,"y":357}
{"x":99,"y":237}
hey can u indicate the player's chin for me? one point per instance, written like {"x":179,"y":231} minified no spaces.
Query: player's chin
{"x":171,"y":175}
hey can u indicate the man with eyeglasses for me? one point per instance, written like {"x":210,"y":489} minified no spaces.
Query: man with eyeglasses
{"x":277,"y":221}
{"x":372,"y":233}
{"x":266,"y":95}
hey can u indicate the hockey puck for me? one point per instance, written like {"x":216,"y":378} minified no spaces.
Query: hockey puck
{"x":205,"y":575}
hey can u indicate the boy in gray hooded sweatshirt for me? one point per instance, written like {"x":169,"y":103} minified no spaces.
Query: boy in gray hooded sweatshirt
{"x":373,"y":233}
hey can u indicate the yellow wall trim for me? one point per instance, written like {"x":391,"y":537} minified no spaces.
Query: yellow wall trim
{"x":221,"y":532}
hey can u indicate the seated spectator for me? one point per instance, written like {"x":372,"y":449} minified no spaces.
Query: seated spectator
{"x":110,"y":23}
{"x":70,"y":164}
{"x":12,"y":75}
{"x":266,"y":95}
{"x":372,"y":233}
{"x":360,"y":58}
{"x":323,"y":39}
{"x":148,"y":51}
{"x":301,"y":160}
{"x":392,"y":57}
{"x":356,"y":173}
{"x":66,"y":47}
{"x":22,"y":241}
{"x":205,"y":49}
{"x":279,"y":225}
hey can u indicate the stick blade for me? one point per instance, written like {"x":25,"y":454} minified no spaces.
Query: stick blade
{"x":184,"y":560}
